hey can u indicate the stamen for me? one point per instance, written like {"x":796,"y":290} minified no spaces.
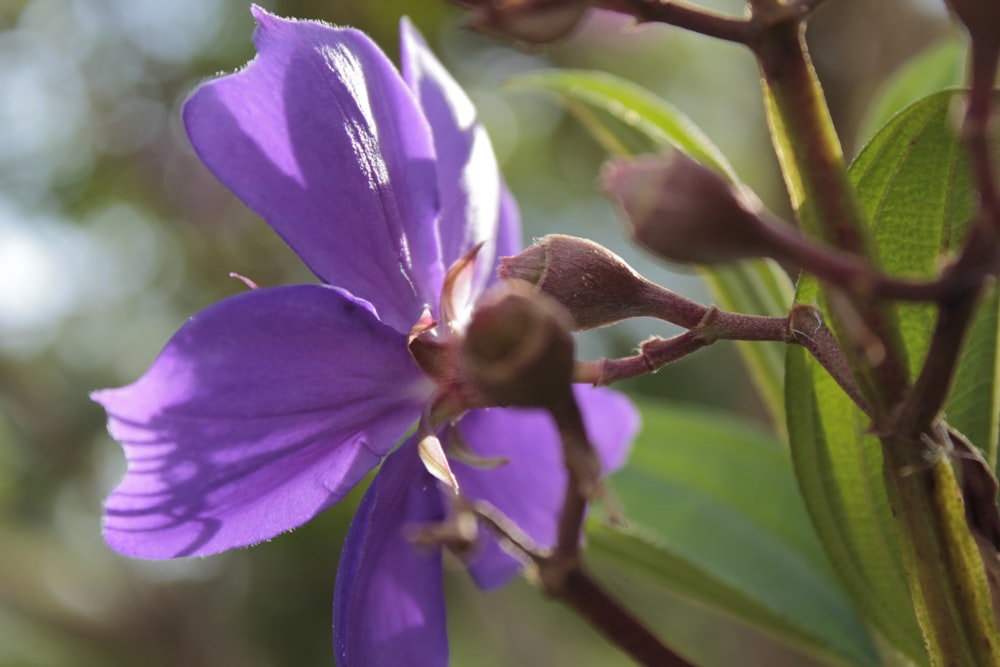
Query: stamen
{"x":243,"y":279}
{"x":432,"y":453}
{"x":456,"y":292}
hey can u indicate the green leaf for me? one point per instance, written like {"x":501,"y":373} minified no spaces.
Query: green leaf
{"x":714,"y":514}
{"x":913,"y":183}
{"x":644,"y":122}
{"x":913,"y":179}
{"x":939,"y":67}
{"x":839,"y":469}
{"x":627,"y":119}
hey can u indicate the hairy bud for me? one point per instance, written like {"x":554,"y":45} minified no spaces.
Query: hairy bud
{"x":517,"y":348}
{"x":595,"y":285}
{"x":530,"y":21}
{"x":683,"y":211}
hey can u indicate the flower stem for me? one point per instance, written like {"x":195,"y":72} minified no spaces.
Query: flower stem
{"x":605,"y":613}
{"x":812,"y":164}
{"x":565,"y":579}
{"x":803,"y":326}
{"x":683,"y":15}
{"x":856,"y":275}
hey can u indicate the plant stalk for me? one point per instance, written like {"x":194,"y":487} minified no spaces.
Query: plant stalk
{"x":944,"y":569}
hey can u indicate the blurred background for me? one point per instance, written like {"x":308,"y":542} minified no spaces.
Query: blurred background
{"x":112,"y":235}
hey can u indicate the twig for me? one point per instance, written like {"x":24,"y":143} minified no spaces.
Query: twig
{"x":565,"y":579}
{"x":683,"y":15}
{"x":803,"y":326}
{"x":856,"y":275}
{"x":584,"y":471}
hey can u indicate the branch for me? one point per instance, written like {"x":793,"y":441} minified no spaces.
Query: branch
{"x":803,"y":326}
{"x":682,"y":15}
{"x":854,"y":274}
{"x":565,"y":580}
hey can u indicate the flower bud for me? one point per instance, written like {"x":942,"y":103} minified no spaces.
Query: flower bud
{"x":683,"y":211}
{"x":530,"y":21}
{"x":517,"y":348}
{"x":595,"y":285}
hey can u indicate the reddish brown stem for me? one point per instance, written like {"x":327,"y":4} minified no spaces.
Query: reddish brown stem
{"x":683,"y":15}
{"x":564,"y":579}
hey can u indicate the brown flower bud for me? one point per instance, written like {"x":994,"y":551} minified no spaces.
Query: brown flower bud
{"x":683,"y":211}
{"x":517,"y":348}
{"x":530,"y":21}
{"x":595,"y":285}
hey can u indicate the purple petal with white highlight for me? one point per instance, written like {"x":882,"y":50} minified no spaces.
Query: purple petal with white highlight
{"x":509,"y":231}
{"x":262,"y":411}
{"x":468,"y":175}
{"x":322,"y":138}
{"x":388,"y":604}
{"x":529,"y":490}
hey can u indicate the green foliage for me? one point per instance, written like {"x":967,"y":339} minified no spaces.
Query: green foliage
{"x":714,"y":513}
{"x":912,"y":180}
{"x":935,"y":69}
{"x":839,"y":468}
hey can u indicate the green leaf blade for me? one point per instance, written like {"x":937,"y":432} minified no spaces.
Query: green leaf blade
{"x":939,"y":67}
{"x":715,"y":515}
{"x":913,"y":179}
{"x":839,"y":469}
{"x":913,"y":183}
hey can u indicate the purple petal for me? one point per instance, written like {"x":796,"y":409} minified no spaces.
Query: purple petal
{"x":529,"y":490}
{"x":509,"y":241}
{"x":262,"y":411}
{"x":389,"y":604}
{"x":321,"y":137}
{"x":468,"y":176}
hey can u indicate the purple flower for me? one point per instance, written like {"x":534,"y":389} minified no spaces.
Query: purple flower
{"x":265,"y":409}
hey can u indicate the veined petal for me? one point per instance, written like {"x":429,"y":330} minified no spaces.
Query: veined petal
{"x":262,"y":411}
{"x":468,"y":175}
{"x":389,"y":604}
{"x":321,"y":137}
{"x":529,"y":490}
